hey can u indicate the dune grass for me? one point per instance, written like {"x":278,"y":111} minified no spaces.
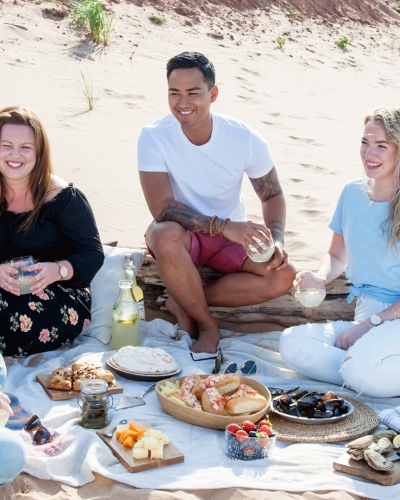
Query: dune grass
{"x":157,"y":19}
{"x":90,"y":13}
{"x":343,"y":42}
{"x":88,"y":91}
{"x":280,"y":41}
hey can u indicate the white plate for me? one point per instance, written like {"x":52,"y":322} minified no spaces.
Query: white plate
{"x":312,"y":421}
{"x":139,"y":376}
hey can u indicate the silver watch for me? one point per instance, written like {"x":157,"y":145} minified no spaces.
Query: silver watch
{"x":63,"y":270}
{"x":375,"y":320}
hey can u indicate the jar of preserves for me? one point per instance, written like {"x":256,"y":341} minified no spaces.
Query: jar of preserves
{"x":94,"y":402}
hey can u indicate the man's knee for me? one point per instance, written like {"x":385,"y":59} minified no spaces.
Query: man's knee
{"x":164,"y":238}
{"x":283,"y":280}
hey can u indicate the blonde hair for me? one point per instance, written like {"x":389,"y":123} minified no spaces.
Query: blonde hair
{"x":40,"y":180}
{"x":390,"y":119}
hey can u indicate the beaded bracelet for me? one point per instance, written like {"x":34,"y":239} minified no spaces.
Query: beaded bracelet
{"x":221,"y":231}
{"x":394,"y":313}
{"x":211,"y":225}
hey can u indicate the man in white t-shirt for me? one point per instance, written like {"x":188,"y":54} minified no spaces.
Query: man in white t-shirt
{"x":192,"y":164}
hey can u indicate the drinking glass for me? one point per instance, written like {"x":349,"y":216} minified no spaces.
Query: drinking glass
{"x":3,"y":413}
{"x":23,"y":276}
{"x":312,"y":291}
{"x":257,"y":256}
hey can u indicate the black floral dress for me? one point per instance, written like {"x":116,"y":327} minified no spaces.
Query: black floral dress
{"x":65,"y":230}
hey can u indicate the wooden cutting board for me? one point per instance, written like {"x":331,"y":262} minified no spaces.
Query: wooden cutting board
{"x":360,"y":468}
{"x":57,"y":395}
{"x":171,"y":454}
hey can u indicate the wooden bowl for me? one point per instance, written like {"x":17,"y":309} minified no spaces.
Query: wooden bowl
{"x":209,"y":420}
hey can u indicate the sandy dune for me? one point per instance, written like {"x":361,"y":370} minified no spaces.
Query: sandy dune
{"x":308,"y":99}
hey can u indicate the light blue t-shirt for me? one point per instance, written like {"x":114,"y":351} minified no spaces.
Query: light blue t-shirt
{"x":373,"y":267}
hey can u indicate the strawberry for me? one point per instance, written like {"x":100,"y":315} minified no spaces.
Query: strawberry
{"x":264,"y":422}
{"x":233,"y":428}
{"x":248,"y":426}
{"x":241,"y":435}
{"x":264,"y":442}
{"x":267,"y":429}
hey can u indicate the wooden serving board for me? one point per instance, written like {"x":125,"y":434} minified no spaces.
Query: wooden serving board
{"x":171,"y":454}
{"x":57,"y":395}
{"x":360,"y":468}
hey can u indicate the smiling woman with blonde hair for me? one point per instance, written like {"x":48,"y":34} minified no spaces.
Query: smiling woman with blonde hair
{"x":364,"y":354}
{"x":43,"y":217}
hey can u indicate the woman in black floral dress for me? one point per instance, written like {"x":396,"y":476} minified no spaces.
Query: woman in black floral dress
{"x":41,"y":216}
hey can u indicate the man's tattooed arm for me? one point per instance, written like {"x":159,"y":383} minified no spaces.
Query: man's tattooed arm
{"x":267,"y":188}
{"x":189,"y":218}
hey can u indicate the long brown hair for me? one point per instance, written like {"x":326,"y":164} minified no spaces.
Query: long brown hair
{"x":40,"y":180}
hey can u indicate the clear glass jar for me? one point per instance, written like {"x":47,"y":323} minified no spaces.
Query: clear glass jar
{"x":130,"y":274}
{"x":125,"y":318}
{"x":93,"y":402}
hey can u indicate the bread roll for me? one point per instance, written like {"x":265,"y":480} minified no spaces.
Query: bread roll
{"x":245,"y":400}
{"x":190,"y":384}
{"x":61,"y":379}
{"x":213,"y":402}
{"x":225,"y":384}
{"x":189,"y":399}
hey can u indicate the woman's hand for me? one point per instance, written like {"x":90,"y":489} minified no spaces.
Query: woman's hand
{"x":311,"y":277}
{"x":5,"y":403}
{"x":7,"y":280}
{"x":47,"y":273}
{"x":349,"y":337}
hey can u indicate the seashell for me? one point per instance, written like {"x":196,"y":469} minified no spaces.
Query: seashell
{"x":377,"y":461}
{"x":356,"y":454}
{"x":384,"y":445}
{"x":374,"y":447}
{"x":361,"y":443}
{"x":387,"y":434}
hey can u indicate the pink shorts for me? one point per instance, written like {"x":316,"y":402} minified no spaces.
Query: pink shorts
{"x":216,"y":252}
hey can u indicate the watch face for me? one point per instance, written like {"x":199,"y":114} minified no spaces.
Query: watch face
{"x":63,"y":271}
{"x":375,"y":319}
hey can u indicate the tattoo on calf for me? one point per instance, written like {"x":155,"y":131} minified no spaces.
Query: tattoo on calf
{"x":189,"y":218}
{"x":267,"y":186}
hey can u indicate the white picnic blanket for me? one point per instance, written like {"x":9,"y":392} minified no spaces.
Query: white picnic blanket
{"x":79,"y":452}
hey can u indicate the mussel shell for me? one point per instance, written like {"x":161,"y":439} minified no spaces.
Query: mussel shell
{"x":336,"y":402}
{"x":305,"y":408}
{"x":309,"y":400}
{"x":299,"y":394}
{"x":286,"y":399}
{"x":328,"y":395}
{"x":322,"y":414}
{"x":343,"y":409}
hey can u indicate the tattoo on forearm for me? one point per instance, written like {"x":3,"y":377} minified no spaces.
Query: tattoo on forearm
{"x":189,"y":218}
{"x":277,"y":229}
{"x":268,"y":186}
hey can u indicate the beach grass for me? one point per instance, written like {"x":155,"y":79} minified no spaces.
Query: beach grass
{"x":157,"y":19}
{"x":90,"y":13}
{"x":293,"y":14}
{"x":343,"y":42}
{"x":280,"y":41}
{"x":88,"y":91}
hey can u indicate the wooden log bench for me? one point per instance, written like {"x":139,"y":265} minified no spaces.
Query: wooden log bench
{"x":283,"y":311}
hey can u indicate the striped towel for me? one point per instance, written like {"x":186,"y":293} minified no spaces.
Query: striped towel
{"x":20,"y":417}
{"x":391,"y":418}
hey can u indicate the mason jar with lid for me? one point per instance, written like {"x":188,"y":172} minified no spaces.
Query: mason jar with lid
{"x":93,"y":402}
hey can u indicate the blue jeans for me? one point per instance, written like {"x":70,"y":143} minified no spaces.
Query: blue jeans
{"x":13,"y":453}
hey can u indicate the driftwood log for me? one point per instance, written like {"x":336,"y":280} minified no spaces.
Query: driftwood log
{"x":284,"y":311}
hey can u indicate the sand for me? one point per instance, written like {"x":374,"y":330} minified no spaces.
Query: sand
{"x":308,"y":99}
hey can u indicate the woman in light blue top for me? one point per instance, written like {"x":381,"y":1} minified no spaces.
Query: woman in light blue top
{"x":364,"y":354}
{"x":13,"y":454}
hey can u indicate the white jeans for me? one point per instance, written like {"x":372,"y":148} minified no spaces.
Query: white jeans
{"x":371,"y":366}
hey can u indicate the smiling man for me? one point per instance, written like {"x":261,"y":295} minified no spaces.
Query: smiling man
{"x":191,"y":165}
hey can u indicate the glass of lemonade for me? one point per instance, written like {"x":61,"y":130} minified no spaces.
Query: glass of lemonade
{"x":312,"y":291}
{"x":23,"y":276}
{"x":3,"y":417}
{"x":257,"y":256}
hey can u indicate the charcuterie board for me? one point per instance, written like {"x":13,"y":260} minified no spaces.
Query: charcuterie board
{"x":56,"y":395}
{"x":360,"y":468}
{"x":172,"y":455}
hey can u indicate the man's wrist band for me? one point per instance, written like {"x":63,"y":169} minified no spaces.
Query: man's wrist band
{"x":394,"y":313}
{"x":221,"y":231}
{"x":211,"y":225}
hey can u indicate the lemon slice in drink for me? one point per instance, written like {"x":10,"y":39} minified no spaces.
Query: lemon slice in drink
{"x":396,"y":441}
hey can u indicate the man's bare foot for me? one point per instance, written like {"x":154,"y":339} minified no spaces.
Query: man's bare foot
{"x":185,"y":322}
{"x":208,"y":341}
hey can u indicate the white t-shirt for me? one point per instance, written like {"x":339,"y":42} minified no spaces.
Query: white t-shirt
{"x":207,"y":178}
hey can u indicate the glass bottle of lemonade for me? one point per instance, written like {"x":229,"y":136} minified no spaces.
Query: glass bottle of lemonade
{"x":130,"y":274}
{"x":125,"y":317}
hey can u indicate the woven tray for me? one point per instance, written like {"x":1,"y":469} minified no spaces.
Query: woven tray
{"x":361,"y":422}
